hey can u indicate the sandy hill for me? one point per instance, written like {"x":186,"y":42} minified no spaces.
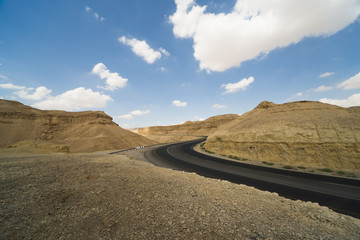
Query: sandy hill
{"x":300,"y":133}
{"x":23,"y":126}
{"x":186,"y":131}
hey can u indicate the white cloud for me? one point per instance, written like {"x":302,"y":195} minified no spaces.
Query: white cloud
{"x":27,"y":93}
{"x":113,"y":80}
{"x":353,"y":100}
{"x":186,"y":22}
{"x":142,"y":49}
{"x":179,"y":103}
{"x":125,"y":116}
{"x":139,"y":112}
{"x":76,"y":99}
{"x":327,"y":74}
{"x":241,"y":85}
{"x":218,"y":106}
{"x":351,"y":83}
{"x":296,"y":96}
{"x":133,"y":113}
{"x":88,"y":9}
{"x":11,"y":86}
{"x":38,"y":94}
{"x":322,"y":88}
{"x":256,"y":27}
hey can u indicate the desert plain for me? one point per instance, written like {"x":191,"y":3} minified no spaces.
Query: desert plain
{"x":58,"y":181}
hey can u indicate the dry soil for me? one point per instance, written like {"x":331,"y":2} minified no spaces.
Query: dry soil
{"x":101,"y":196}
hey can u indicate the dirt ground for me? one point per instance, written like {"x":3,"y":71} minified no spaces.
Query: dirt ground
{"x":102,"y":196}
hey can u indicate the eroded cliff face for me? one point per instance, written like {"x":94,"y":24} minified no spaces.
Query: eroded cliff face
{"x":63,"y":131}
{"x":299,"y":133}
{"x":186,"y":131}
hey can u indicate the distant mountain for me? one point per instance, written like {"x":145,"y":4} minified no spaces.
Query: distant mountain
{"x":186,"y":131}
{"x":88,"y":131}
{"x":299,"y":133}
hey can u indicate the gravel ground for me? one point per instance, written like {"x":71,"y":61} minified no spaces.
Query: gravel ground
{"x":100,"y":196}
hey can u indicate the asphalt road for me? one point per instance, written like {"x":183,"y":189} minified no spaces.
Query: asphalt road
{"x":339,"y":194}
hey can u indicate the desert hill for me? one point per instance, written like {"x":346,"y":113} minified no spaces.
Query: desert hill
{"x":300,"y":133}
{"x":186,"y":131}
{"x":22,"y":126}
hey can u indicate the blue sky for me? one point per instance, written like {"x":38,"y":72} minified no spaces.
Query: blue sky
{"x":165,"y":62}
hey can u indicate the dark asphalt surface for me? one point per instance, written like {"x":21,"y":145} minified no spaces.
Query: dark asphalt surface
{"x":339,"y":194}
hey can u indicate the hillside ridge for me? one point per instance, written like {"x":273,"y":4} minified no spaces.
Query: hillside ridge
{"x":186,"y":131}
{"x":303,"y":133}
{"x":87,"y":131}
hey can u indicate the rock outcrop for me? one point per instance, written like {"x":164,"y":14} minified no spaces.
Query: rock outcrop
{"x":87,"y":131}
{"x":186,"y":131}
{"x":301,"y":133}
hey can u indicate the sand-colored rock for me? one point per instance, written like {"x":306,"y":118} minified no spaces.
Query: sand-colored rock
{"x":25,"y":127}
{"x":300,"y":133}
{"x":186,"y":131}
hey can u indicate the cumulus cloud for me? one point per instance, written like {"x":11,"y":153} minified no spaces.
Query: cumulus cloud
{"x":142,"y":49}
{"x":179,"y":103}
{"x":27,"y":93}
{"x":351,"y":83}
{"x":11,"y":86}
{"x":30,"y":94}
{"x":256,"y":27}
{"x":218,"y":106}
{"x":327,"y":74}
{"x":241,"y":85}
{"x":353,"y":100}
{"x":299,"y":94}
{"x":133,"y":113}
{"x":113,"y":80}
{"x":322,"y":88}
{"x":76,"y":99}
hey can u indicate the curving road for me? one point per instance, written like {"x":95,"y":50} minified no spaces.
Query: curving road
{"x":339,"y":194}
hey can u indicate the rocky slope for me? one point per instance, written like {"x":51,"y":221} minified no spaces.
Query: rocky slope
{"x":102,"y":196}
{"x":186,"y":131}
{"x":299,"y":133}
{"x":25,"y":127}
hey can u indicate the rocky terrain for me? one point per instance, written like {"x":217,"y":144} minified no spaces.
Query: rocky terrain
{"x":122,"y":196}
{"x":304,"y":133}
{"x":186,"y":131}
{"x":101,"y":196}
{"x":32,"y":130}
